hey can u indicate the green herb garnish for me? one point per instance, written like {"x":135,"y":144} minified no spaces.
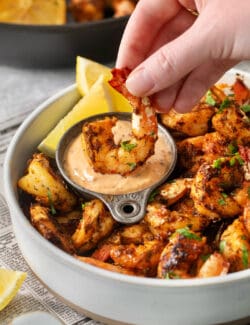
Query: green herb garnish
{"x":232,"y":161}
{"x":205,"y":257}
{"x":132,"y":165}
{"x":171,"y":275}
{"x":52,"y":207}
{"x":222,"y":246}
{"x":209,"y":98}
{"x":226,"y":103}
{"x":186,"y":233}
{"x":239,"y":158}
{"x":244,"y":256}
{"x":222,"y":201}
{"x":217,"y":163}
{"x":127,"y":146}
{"x":245,"y":108}
{"x":153,"y":195}
{"x":232,"y":149}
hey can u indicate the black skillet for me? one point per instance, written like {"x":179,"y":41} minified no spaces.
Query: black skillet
{"x":55,"y":46}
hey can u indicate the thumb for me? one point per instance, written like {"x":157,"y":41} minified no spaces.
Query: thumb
{"x":170,"y":63}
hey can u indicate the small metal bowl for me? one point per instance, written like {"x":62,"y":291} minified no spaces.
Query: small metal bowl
{"x":125,"y":208}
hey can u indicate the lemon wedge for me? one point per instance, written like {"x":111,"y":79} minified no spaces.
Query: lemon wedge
{"x":95,"y":102}
{"x":10,"y":283}
{"x":88,"y":72}
{"x":33,"y":11}
{"x":99,"y":97}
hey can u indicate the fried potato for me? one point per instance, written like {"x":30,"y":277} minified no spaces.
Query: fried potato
{"x":45,"y":185}
{"x":35,"y":12}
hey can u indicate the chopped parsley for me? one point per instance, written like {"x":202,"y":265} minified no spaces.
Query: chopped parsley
{"x":153,"y":195}
{"x":226,"y":103}
{"x":52,"y":207}
{"x":232,"y":161}
{"x":127,"y":146}
{"x":205,"y":257}
{"x":232,"y":148}
{"x":239,"y":158}
{"x":222,"y":246}
{"x":245,"y":108}
{"x":171,"y":275}
{"x":217,"y":163}
{"x":222,"y":201}
{"x":132,"y":165}
{"x":209,"y":98}
{"x":188,"y":234}
{"x":244,"y":256}
{"x":235,"y":158}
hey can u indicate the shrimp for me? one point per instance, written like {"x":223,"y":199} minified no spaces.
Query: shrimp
{"x":235,"y":245}
{"x":191,"y":124}
{"x":49,"y":228}
{"x":213,"y":186}
{"x":246,"y":217}
{"x":135,"y":234}
{"x":142,"y":258}
{"x":180,"y":255}
{"x":87,"y":10}
{"x":193,"y":152}
{"x":173,"y":191}
{"x":104,"y":154}
{"x":172,"y":209}
{"x":122,"y":7}
{"x":133,"y":248}
{"x":96,"y":224}
{"x":232,"y":123}
{"x":215,"y":265}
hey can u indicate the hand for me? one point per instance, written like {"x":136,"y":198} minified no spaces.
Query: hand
{"x":177,"y":56}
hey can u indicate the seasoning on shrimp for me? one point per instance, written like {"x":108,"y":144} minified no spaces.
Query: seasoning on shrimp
{"x":105,"y":155}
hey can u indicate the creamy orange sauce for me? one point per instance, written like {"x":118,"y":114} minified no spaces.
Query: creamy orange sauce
{"x":79,"y":170}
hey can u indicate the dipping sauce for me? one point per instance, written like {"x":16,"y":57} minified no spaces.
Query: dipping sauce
{"x":79,"y":170}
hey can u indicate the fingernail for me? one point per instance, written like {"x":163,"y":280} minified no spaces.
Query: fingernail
{"x":139,"y":82}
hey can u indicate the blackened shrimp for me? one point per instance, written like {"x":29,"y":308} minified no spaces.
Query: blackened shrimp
{"x":213,"y":186}
{"x":108,"y":157}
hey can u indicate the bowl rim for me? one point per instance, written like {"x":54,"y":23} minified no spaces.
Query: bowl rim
{"x":63,"y":27}
{"x":71,"y":261}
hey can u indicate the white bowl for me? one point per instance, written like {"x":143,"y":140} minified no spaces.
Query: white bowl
{"x":103,"y":295}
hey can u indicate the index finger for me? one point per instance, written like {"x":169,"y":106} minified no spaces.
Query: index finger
{"x":142,"y":28}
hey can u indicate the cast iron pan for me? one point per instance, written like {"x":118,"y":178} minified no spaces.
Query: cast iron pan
{"x":57,"y":46}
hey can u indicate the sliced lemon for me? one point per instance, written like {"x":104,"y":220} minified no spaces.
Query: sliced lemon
{"x":33,"y":11}
{"x":87,"y":73}
{"x":120,"y":103}
{"x":97,"y":101}
{"x":10,"y":283}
